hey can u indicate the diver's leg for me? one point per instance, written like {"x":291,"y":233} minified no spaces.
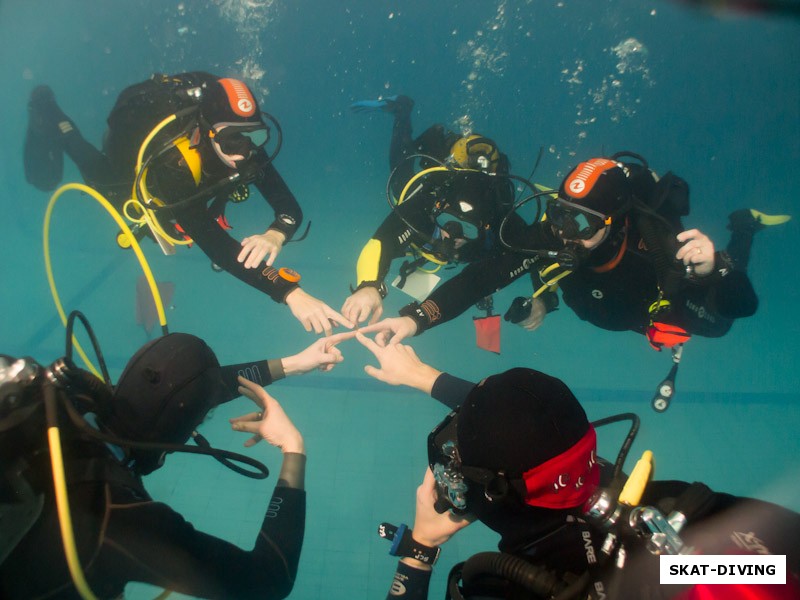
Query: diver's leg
{"x":402,"y":144}
{"x":43,"y":151}
{"x":94,"y":166}
{"x":744,"y":224}
{"x":51,"y":133}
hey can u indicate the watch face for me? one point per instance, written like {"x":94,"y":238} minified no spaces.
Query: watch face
{"x":287,"y":219}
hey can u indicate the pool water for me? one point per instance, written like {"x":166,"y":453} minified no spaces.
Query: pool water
{"x":714,"y":97}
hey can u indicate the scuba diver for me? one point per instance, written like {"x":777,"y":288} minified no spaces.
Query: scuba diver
{"x":447,"y":213}
{"x":612,"y":240}
{"x":174,"y":144}
{"x":518,"y":454}
{"x":109,"y":437}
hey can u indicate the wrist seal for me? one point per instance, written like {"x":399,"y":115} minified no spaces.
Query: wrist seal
{"x":405,"y":546}
{"x":286,"y":224}
{"x":378,"y":285}
{"x":419,"y":316}
{"x":723,"y":266}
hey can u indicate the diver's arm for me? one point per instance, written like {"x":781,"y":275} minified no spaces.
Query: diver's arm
{"x":322,"y":354}
{"x":450,"y":390}
{"x":202,"y":565}
{"x":476,"y":281}
{"x":288,"y":214}
{"x":223,"y":251}
{"x":388,"y":243}
{"x":400,"y":365}
{"x":262,"y":372}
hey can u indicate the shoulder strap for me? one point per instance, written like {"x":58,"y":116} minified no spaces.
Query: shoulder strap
{"x":103,"y":470}
{"x":671,"y":196}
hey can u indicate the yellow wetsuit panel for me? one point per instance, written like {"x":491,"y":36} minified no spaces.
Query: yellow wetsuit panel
{"x":368,"y":262}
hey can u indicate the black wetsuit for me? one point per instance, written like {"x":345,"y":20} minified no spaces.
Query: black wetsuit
{"x":111,"y":172}
{"x":615,"y":285}
{"x":718,"y":523}
{"x":410,"y":229}
{"x":122,"y":535}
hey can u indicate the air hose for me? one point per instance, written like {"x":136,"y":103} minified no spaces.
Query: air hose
{"x":533,"y":578}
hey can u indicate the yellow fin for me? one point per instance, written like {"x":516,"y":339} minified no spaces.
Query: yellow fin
{"x":769,"y":220}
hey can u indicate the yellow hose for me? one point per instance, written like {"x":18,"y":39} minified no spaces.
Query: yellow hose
{"x":64,"y":517}
{"x":144,"y":146}
{"x":148,"y":215}
{"x":162,"y":317}
{"x":411,"y":181}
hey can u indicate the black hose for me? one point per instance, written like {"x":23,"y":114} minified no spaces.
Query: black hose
{"x":95,"y":345}
{"x":535,"y":166}
{"x":261,"y":471}
{"x":534,"y":578}
{"x":537,"y":195}
{"x":626,"y":445}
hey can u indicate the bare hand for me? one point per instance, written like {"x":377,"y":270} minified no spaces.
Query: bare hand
{"x":314,"y":314}
{"x":538,"y":313}
{"x":271,"y":423}
{"x":394,"y":329}
{"x":697,"y":250}
{"x":361,"y":303}
{"x":322,"y":354}
{"x":256,"y":247}
{"x":399,"y":365}
{"x":430,"y":527}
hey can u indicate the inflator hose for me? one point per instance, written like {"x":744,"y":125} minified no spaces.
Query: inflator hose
{"x":668,"y":276}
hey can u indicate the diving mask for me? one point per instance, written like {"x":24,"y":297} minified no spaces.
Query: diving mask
{"x":450,"y":474}
{"x":237,"y":142}
{"x":575,"y":222}
{"x":452,"y":221}
{"x":445,"y":462}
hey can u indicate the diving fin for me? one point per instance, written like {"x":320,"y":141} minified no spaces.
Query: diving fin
{"x":43,"y":155}
{"x":752,"y":220}
{"x":390,"y":104}
{"x":769,"y":220}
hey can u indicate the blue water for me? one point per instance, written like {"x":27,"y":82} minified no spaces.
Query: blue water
{"x":714,"y":97}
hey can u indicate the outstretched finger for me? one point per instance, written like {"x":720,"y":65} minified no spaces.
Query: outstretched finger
{"x":379,"y":326}
{"x":367,"y":342}
{"x":337,"y":317}
{"x":331,"y":341}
